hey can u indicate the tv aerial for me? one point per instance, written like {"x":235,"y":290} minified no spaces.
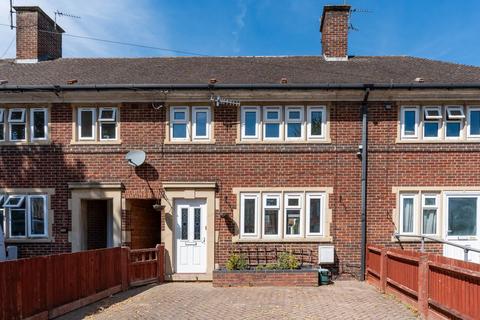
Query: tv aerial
{"x":136,"y":158}
{"x":63,"y":14}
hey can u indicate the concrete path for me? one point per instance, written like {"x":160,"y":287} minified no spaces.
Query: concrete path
{"x":342,"y":300}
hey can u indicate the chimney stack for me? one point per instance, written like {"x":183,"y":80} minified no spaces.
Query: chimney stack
{"x":334,"y":28}
{"x":38,"y":37}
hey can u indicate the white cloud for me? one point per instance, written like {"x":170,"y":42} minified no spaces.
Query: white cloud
{"x":121,"y":20}
{"x":239,"y":25}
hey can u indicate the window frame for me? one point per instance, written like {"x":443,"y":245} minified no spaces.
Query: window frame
{"x":469,"y":116}
{"x":21,"y":197}
{"x":256,"y":233}
{"x":93,"y":110}
{"x":300,"y":207}
{"x":430,"y":207}
{"x":311,"y":109}
{"x":432,"y":119}
{"x":112,"y":119}
{"x":243,"y":111}
{"x":301,"y":121}
{"x":278,"y":121}
{"x":455,"y":119}
{"x":29,"y":217}
{"x":195,"y":110}
{"x":2,"y":123}
{"x":278,"y":207}
{"x":22,"y":121}
{"x":403,"y":110}
{"x":32,"y":123}
{"x":101,"y":122}
{"x":414,"y":218}
{"x":185,"y":121}
{"x":310,"y":196}
{"x":456,"y":194}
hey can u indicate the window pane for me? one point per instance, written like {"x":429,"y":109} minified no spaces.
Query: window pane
{"x":429,"y":221}
{"x":17,"y":217}
{"x":2,"y":131}
{"x":108,"y":130}
{"x":407,"y":215}
{"x":294,"y":115}
{"x":293,"y":222}
{"x":294,"y":130}
{"x":250,"y":123}
{"x":272,"y":130}
{"x":409,"y":124}
{"x":316,"y":125}
{"x":196,"y":228}
{"x":184,"y":224}
{"x":431,"y":129}
{"x":201,"y":124}
{"x":272,"y":115}
{"x":453,"y":129}
{"x":431,"y":201}
{"x":271,"y":221}
{"x":179,"y":115}
{"x":17,"y":132}
{"x":86,"y":130}
{"x":16,"y":115}
{"x":271,"y":202}
{"x":2,"y":220}
{"x":107,"y":114}
{"x":293,"y":202}
{"x":249,"y":216}
{"x":462,"y":216}
{"x":314,"y":215}
{"x":179,"y":130}
{"x":39,"y":124}
{"x":38,"y":216}
{"x":475,"y":122}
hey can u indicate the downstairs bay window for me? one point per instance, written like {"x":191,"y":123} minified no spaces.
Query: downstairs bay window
{"x":282,"y":215}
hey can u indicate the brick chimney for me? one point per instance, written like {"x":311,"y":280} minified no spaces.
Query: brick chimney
{"x":334,"y":28}
{"x":38,"y":38}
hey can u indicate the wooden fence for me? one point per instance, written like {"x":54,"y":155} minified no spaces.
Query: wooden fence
{"x":49,"y":286}
{"x":437,"y":286}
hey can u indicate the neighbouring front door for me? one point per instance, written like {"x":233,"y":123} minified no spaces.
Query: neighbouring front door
{"x":462,"y":224}
{"x":190,"y":234}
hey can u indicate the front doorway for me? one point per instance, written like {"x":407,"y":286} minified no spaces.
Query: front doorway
{"x":97,"y":224}
{"x":462,"y":224}
{"x":190,"y":235}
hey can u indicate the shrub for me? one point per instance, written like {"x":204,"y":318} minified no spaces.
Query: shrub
{"x":236,"y":262}
{"x":287,"y":261}
{"x":268,"y":266}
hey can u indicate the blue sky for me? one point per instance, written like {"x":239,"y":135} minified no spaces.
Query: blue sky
{"x":436,"y":29}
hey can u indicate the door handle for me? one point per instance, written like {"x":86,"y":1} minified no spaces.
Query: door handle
{"x":190,"y":243}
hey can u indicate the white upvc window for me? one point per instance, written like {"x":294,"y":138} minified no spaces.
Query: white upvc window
{"x":272,"y":123}
{"x":271,"y":217}
{"x":408,"y":217}
{"x":250,"y":123}
{"x":315,"y":214}
{"x":201,"y":122}
{"x":179,"y":124}
{"x":17,"y":124}
{"x":473,"y":122}
{"x":432,"y":121}
{"x":37,"y":216}
{"x":316,"y":122}
{"x":430,"y":214}
{"x":38,"y":124}
{"x":107,"y":122}
{"x":27,"y":216}
{"x":294,"y":123}
{"x":249,"y":216}
{"x":2,"y":124}
{"x":86,"y":120}
{"x":294,"y":216}
{"x":462,"y":215}
{"x":3,"y":218}
{"x":409,"y":122}
{"x":454,"y":122}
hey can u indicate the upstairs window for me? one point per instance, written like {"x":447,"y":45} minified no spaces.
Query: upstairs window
{"x":38,"y":124}
{"x":432,"y":123}
{"x":17,"y":125}
{"x":2,"y":124}
{"x":454,"y":122}
{"x":97,"y":124}
{"x":24,"y":125}
{"x":283,"y":123}
{"x":190,"y":123}
{"x":409,"y":122}
{"x":473,"y":122}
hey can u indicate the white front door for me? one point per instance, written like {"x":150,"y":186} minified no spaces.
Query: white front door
{"x":462,"y":224}
{"x":190,"y":234}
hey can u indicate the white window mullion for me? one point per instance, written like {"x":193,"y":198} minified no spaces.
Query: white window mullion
{"x":294,"y":212}
{"x":250,"y":123}
{"x":249,"y":215}
{"x":179,"y":124}
{"x":294,"y":123}
{"x":86,"y":119}
{"x":315,"y":214}
{"x":201,"y":123}
{"x":39,"y":124}
{"x":408,"y":216}
{"x":409,"y":122}
{"x":271,"y":216}
{"x":316,"y":122}
{"x":272,"y":123}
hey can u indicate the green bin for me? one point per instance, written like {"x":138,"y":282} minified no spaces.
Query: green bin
{"x":324,"y":276}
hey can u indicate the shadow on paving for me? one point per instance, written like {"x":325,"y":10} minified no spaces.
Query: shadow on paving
{"x":99,"y":306}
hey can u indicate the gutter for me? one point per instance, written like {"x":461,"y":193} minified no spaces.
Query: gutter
{"x":257,"y":86}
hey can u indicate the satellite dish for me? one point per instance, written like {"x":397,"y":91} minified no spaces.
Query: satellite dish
{"x":136,"y":158}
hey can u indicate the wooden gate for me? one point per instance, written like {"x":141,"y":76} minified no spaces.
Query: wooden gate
{"x":146,"y":265}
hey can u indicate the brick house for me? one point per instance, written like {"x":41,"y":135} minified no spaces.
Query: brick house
{"x":241,"y":152}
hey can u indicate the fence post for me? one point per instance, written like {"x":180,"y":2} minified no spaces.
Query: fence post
{"x":125,"y":265}
{"x":160,"y":262}
{"x":423,"y":285}
{"x":383,"y":270}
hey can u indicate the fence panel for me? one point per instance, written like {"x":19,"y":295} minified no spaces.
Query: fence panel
{"x":402,"y":271}
{"x":146,"y":265}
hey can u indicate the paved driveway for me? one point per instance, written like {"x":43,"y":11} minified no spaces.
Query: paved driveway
{"x":342,"y":300}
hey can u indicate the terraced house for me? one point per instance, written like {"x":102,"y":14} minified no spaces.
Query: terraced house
{"x":242,"y":153}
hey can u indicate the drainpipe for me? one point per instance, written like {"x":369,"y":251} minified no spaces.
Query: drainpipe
{"x":364,"y":155}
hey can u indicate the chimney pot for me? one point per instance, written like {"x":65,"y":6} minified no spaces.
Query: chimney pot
{"x":334,"y":28}
{"x":38,"y":37}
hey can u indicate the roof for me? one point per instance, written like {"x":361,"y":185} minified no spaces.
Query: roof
{"x":236,"y":70}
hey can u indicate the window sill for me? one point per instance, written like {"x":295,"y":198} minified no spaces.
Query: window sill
{"x":29,"y":240}
{"x":25,"y":143}
{"x":319,"y":141}
{"x":451,"y":141}
{"x":190,"y":142}
{"x":413,"y":240}
{"x":283,"y":240}
{"x":88,"y":142}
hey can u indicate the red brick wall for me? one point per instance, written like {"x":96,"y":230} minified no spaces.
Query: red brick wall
{"x":297,"y":278}
{"x":335,"y":31}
